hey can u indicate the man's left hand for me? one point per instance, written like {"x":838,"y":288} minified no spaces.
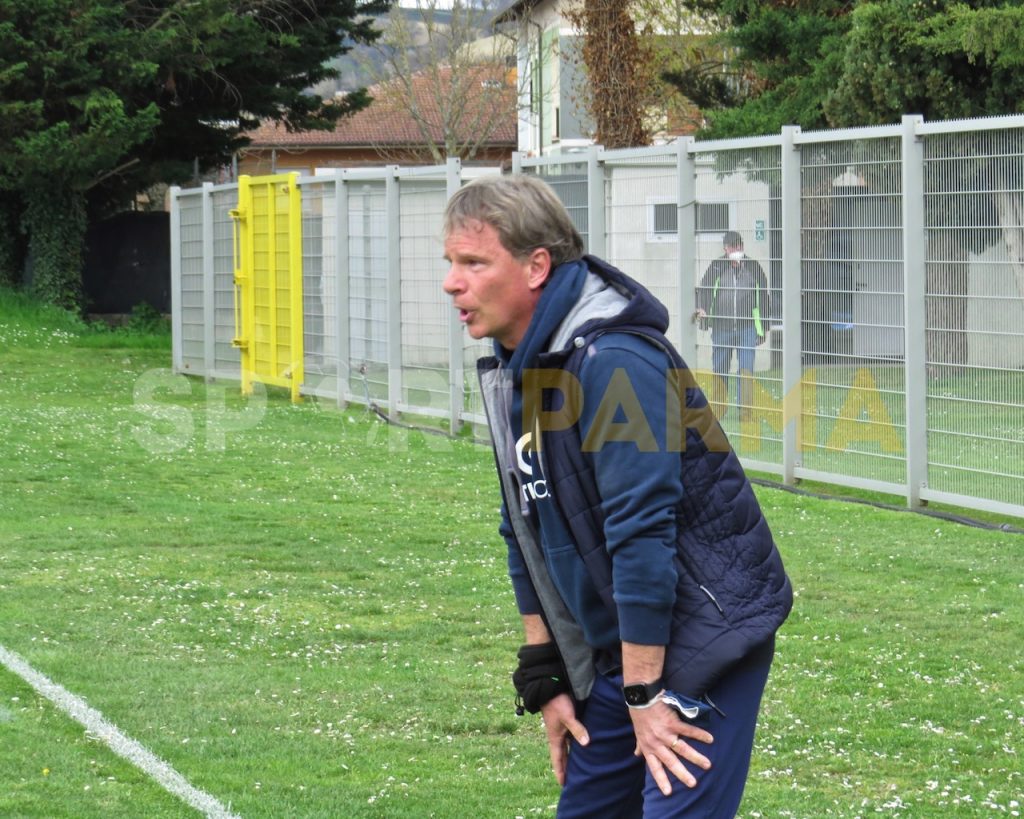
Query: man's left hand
{"x":661,"y":739}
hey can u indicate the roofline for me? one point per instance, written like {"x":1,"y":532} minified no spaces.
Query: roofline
{"x":267,"y":146}
{"x":514,"y":11}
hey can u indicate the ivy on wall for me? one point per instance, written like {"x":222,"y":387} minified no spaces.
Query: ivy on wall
{"x":12,"y":240}
{"x":57,"y":223}
{"x":619,"y":72}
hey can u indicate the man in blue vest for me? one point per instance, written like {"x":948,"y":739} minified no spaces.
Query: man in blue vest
{"x":733,"y":299}
{"x":648,"y":584}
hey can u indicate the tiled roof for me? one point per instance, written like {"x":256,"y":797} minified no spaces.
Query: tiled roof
{"x":386,"y":121}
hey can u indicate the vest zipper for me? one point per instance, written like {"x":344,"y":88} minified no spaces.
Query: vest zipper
{"x":711,"y":597}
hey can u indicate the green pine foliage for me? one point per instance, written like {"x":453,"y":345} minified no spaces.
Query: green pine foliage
{"x":941,"y":60}
{"x":841,"y":63}
{"x":100,"y":99}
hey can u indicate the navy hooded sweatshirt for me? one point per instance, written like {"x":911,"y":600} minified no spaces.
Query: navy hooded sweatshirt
{"x":640,"y":488}
{"x":647,"y":539}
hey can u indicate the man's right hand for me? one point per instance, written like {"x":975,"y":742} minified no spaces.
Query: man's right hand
{"x":662,"y":740}
{"x":559,"y":715}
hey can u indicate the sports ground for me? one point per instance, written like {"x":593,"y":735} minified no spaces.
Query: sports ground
{"x":258,"y":609}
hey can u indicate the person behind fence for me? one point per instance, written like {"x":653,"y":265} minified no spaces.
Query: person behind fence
{"x":733,"y":299}
{"x":647,"y":580}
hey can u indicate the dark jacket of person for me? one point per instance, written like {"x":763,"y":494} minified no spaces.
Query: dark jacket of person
{"x":731,"y":591}
{"x":731,"y":294}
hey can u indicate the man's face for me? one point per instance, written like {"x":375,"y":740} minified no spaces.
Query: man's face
{"x":494,"y":292}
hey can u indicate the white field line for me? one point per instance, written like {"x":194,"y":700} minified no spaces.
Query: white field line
{"x":97,"y":725}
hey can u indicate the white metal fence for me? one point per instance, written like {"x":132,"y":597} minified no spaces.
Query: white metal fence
{"x":895,"y":257}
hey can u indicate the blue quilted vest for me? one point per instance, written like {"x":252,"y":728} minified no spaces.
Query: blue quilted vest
{"x":732,"y":592}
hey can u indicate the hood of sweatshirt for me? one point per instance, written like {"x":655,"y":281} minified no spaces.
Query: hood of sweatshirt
{"x":581,"y":296}
{"x":609,"y":297}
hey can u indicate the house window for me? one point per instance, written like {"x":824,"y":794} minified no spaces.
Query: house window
{"x":666,"y":218}
{"x":662,"y":220}
{"x":713,"y":219}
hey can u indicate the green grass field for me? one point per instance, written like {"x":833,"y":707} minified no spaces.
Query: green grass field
{"x":306,"y":614}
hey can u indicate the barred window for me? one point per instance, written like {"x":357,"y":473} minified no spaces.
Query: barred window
{"x":712,"y":217}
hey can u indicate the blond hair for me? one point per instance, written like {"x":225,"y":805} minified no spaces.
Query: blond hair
{"x":523,"y":210}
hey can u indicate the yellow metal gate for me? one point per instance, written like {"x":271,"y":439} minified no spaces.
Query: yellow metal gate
{"x":268,"y":281}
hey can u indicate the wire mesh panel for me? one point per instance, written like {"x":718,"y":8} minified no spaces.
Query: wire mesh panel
{"x":470,"y":350}
{"x":641,"y":223}
{"x":226,"y":359}
{"x":569,"y":181}
{"x":426,"y":310}
{"x":367,"y":264}
{"x":974,"y":216}
{"x":190,"y":204}
{"x":318,"y":289}
{"x":845,"y":258}
{"x":852,"y":310}
{"x":473,"y":403}
{"x":738,"y":199}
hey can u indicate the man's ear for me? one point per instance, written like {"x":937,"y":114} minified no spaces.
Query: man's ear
{"x":539,"y":268}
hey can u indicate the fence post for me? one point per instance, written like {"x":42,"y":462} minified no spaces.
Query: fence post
{"x":242,"y":265}
{"x":596,"y":244}
{"x":792,"y":381}
{"x":342,"y":274}
{"x":177,"y":363}
{"x":393,"y":262}
{"x":209,"y":301}
{"x":686,"y":247}
{"x":296,"y":308}
{"x":456,"y":363}
{"x":517,"y":162}
{"x":914,"y":310}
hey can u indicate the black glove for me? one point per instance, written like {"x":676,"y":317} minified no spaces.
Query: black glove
{"x":540,"y":677}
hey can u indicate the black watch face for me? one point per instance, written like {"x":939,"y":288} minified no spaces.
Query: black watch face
{"x":635,"y":694}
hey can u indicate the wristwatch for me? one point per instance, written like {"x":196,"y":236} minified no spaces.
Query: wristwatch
{"x":641,"y":695}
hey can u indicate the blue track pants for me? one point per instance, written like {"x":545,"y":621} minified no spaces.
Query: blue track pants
{"x":744,"y":341}
{"x":604,"y":780}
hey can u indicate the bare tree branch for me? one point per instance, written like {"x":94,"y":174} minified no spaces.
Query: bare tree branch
{"x":445,"y":69}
